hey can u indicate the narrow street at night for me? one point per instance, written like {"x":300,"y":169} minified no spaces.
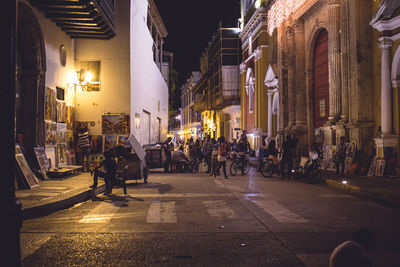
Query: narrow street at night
{"x":197,"y":220}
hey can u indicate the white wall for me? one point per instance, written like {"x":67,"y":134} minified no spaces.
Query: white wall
{"x":54,"y":37}
{"x":148,"y":87}
{"x":114,"y":96}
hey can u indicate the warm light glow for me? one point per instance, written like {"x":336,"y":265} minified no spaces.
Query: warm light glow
{"x":72,"y":78}
{"x":344,"y":182}
{"x":257,"y":4}
{"x":280,"y":11}
{"x":88,"y":77}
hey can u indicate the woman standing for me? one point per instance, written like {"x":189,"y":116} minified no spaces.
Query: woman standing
{"x":222,"y":154}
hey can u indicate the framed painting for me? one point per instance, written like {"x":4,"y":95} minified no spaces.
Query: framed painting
{"x":51,"y":133}
{"x":96,"y":144}
{"x":50,"y":104}
{"x":116,"y":124}
{"x":61,"y":133}
{"x":25,"y":171}
{"x":70,"y":118}
{"x":123,"y":141}
{"x":110,"y":141}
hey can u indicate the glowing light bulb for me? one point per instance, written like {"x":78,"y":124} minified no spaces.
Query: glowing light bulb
{"x":88,"y":77}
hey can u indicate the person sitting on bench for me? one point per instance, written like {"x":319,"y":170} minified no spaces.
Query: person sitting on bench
{"x":109,"y":175}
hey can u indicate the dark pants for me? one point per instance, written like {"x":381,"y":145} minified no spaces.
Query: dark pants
{"x":223,"y":164}
{"x":167,"y":164}
{"x":289,"y":162}
{"x":208,"y":161}
{"x":214,"y":163}
{"x":340,"y":163}
{"x":108,"y":180}
{"x":183,"y":163}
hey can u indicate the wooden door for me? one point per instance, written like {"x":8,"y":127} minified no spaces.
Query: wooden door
{"x":321,"y":80}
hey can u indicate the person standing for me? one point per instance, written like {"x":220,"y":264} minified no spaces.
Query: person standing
{"x":287,"y":156}
{"x":244,"y":148}
{"x":167,"y":154}
{"x":214,"y":156}
{"x":222,"y":155}
{"x":340,"y":155}
{"x":84,"y":146}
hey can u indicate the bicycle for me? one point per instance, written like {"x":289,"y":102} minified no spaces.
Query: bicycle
{"x":237,"y":163}
{"x":268,"y":167}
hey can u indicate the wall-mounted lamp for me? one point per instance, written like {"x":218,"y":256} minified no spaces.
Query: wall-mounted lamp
{"x":84,"y":79}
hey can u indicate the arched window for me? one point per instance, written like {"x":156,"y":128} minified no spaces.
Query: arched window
{"x":250,"y":88}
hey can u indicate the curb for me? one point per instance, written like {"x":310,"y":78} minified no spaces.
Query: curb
{"x":61,"y":202}
{"x":360,"y":192}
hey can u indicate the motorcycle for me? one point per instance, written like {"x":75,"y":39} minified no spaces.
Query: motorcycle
{"x":310,"y":171}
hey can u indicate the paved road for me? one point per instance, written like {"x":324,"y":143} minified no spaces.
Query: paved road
{"x":197,"y":220}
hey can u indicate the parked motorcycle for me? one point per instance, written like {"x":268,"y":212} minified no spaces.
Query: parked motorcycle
{"x":310,"y":171}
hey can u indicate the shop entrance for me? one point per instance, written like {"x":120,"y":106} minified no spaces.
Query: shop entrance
{"x":321,"y":80}
{"x":30,"y":89}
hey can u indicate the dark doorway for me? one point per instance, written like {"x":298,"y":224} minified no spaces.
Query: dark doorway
{"x":321,"y":79}
{"x":31,"y":67}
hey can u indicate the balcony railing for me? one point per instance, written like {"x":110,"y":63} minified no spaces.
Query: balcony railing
{"x":81,"y":18}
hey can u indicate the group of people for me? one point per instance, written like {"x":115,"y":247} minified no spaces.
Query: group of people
{"x":214,"y":152}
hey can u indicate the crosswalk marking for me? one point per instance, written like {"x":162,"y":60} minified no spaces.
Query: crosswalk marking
{"x":219,"y":209}
{"x":102,"y":213}
{"x":279,"y":212}
{"x":162,"y":212}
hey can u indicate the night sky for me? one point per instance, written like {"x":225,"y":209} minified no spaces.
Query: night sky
{"x":191,"y":25}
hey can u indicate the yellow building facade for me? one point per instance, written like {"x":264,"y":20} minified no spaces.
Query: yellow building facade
{"x":337,"y":63}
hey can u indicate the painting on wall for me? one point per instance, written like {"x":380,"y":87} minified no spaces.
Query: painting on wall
{"x":51,"y":133}
{"x":123,"y":141}
{"x":110,"y":141}
{"x":61,"y":133}
{"x":50,"y":104}
{"x":96,"y":144}
{"x":61,"y":111}
{"x":89,"y":69}
{"x":61,"y":155}
{"x":116,"y":124}
{"x":70,"y":118}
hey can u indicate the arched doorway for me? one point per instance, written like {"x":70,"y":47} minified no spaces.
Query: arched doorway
{"x":31,"y":67}
{"x":320,"y":80}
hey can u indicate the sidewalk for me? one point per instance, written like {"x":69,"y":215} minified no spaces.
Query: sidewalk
{"x":382,"y":190}
{"x":56,"y":194}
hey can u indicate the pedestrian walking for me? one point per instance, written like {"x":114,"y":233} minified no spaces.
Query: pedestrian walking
{"x":287,"y":156}
{"x":109,"y":176}
{"x":166,"y":153}
{"x":222,"y":155}
{"x":244,"y":148}
{"x":340,"y":156}
{"x":84,"y":147}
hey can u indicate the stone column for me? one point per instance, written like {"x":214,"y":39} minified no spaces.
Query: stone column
{"x":270,"y":94}
{"x":386,"y":97}
{"x":300,"y":89}
{"x":291,"y":77}
{"x":345,"y":60}
{"x":334,"y":61}
{"x":258,"y":86}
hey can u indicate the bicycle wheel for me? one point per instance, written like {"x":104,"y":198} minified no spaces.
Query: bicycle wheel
{"x":234,"y":168}
{"x":267,"y":169}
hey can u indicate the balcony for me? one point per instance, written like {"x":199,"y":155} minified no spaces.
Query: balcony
{"x":201,"y":104}
{"x":81,"y":18}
